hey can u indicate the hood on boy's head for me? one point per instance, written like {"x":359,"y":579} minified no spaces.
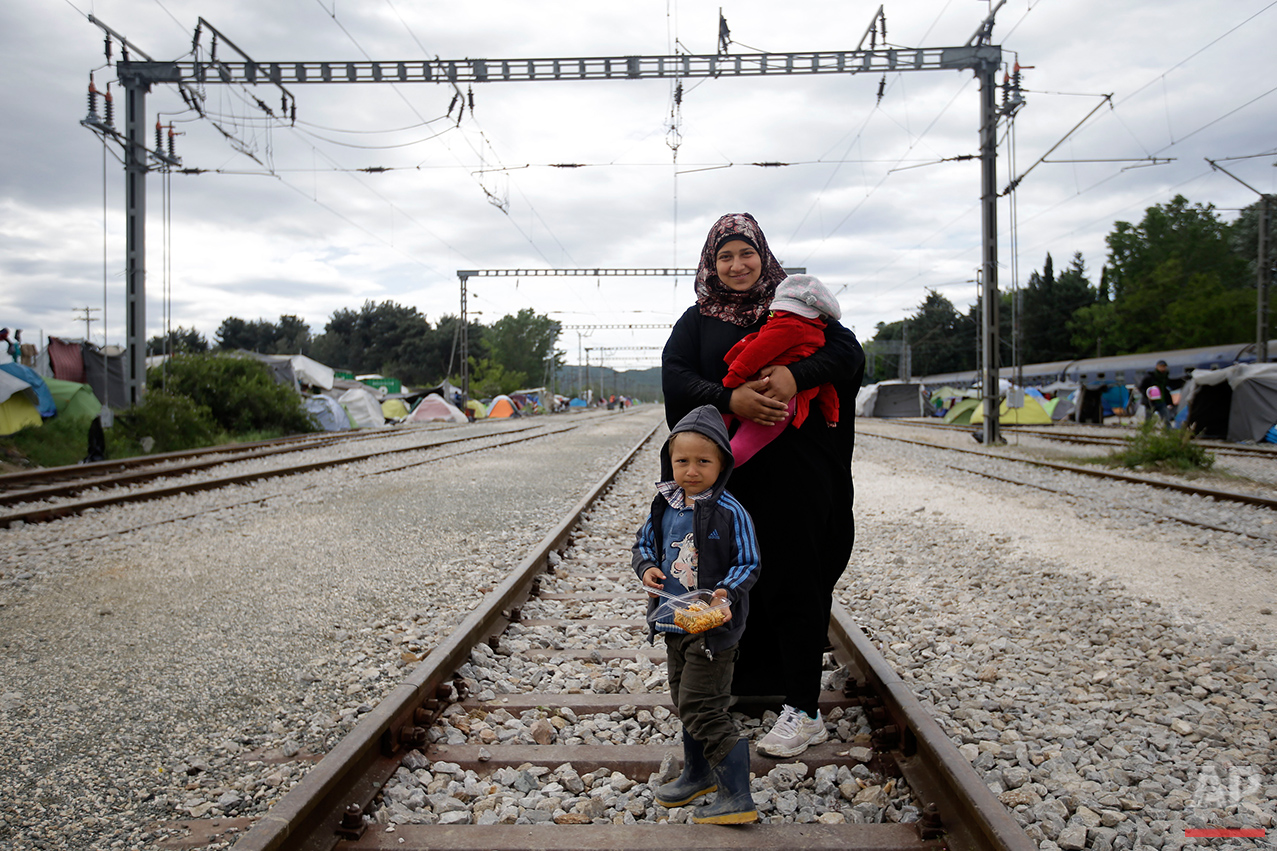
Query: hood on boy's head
{"x":707,"y":421}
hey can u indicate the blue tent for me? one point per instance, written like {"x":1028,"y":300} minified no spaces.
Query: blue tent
{"x":46,"y":406}
{"x":577,"y":403}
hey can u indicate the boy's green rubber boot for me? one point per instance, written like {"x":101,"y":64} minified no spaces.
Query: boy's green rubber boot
{"x":733,"y":804}
{"x":697,"y":778}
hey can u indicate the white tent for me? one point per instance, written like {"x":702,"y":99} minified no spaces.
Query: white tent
{"x":364,"y":407}
{"x":1244,"y":414}
{"x":434,"y":408}
{"x":325,"y":411}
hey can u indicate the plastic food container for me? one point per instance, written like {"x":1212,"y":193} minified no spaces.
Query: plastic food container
{"x":695,"y":611}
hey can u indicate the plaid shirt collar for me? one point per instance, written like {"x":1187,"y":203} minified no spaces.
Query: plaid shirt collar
{"x":676,"y":498}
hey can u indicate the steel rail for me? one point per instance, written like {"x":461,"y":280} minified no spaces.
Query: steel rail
{"x":325,"y":810}
{"x":1216,"y":446}
{"x":45,"y":513}
{"x":345,"y":780}
{"x":1222,"y":496}
{"x":971,"y":816}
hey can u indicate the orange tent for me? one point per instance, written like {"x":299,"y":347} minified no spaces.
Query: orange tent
{"x":502,"y":406}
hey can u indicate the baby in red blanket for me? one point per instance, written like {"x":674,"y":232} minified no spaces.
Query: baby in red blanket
{"x":796,"y":328}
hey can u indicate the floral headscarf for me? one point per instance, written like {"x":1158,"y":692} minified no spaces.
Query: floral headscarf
{"x":714,"y":297}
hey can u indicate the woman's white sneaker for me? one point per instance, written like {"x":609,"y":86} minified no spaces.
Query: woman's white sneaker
{"x":793,"y":733}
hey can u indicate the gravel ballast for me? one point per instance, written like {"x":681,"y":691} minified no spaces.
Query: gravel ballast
{"x":207,"y":662}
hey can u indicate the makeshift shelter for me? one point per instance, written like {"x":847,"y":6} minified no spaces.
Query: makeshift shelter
{"x":480,"y":410}
{"x":577,"y":403}
{"x":1237,"y":403}
{"x":44,"y":399}
{"x":363,"y":407}
{"x":960,"y":413}
{"x":74,"y":401}
{"x":1031,"y":413}
{"x":17,"y":404}
{"x":327,"y":413}
{"x":535,"y":400}
{"x":394,"y":409}
{"x":890,"y":399}
{"x":295,"y":369}
{"x":434,"y":408}
{"x":501,"y":407}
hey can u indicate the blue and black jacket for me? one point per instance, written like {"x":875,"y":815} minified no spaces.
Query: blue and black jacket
{"x":722,"y":531}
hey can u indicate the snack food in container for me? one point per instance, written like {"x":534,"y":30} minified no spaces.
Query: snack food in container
{"x":695,"y":611}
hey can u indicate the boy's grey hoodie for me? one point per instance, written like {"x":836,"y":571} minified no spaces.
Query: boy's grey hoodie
{"x":722,"y":531}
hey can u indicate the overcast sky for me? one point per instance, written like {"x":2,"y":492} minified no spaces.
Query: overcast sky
{"x":284,"y":221}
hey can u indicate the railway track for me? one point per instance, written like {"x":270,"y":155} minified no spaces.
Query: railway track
{"x":1071,"y":435}
{"x":41,"y":496}
{"x":569,"y":613}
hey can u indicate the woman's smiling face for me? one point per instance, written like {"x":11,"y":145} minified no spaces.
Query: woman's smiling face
{"x":739,"y":265}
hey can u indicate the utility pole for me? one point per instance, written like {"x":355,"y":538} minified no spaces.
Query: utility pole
{"x":1263,"y":265}
{"x":986,"y":72}
{"x":87,"y":319}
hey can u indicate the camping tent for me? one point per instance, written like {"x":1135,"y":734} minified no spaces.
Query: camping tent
{"x":502,"y":406}
{"x":17,"y":404}
{"x":394,"y":409}
{"x":577,"y":402}
{"x":1032,"y":413}
{"x":1238,"y":403}
{"x":44,"y":399}
{"x":960,"y":413}
{"x":433,"y":408}
{"x":74,"y":400}
{"x":327,"y":413}
{"x":363,"y":408}
{"x":479,"y":409}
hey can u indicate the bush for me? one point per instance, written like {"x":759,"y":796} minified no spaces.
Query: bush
{"x":173,"y":422}
{"x":239,"y":393}
{"x":1161,"y":448}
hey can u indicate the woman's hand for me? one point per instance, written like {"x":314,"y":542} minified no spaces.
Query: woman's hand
{"x":750,"y":402}
{"x":780,"y":383}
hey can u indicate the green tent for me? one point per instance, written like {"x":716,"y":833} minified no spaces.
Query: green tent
{"x":960,"y":413}
{"x":75,"y":401}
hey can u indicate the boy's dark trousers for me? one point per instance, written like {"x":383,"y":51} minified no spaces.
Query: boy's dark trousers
{"x":701,"y":689}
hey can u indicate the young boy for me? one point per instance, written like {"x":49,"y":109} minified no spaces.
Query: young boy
{"x":800,"y":310}
{"x":699,"y":537}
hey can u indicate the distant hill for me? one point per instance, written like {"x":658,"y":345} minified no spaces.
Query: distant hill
{"x":642,"y":384}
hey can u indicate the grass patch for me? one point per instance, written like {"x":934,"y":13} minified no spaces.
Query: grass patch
{"x":1166,"y":450}
{"x":56,"y":443}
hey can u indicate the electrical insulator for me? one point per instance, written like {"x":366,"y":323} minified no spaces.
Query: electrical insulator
{"x":678,"y":94}
{"x":159,"y":138}
{"x":91,"y":120}
{"x":107,"y":46}
{"x":172,"y":149}
{"x":470,"y":98}
{"x":108,"y":104}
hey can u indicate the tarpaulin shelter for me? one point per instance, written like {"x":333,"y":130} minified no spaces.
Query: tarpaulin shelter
{"x":577,"y":402}
{"x":890,"y":399}
{"x":435,"y":409}
{"x":295,"y":369}
{"x":363,"y":407}
{"x":1237,"y":403}
{"x":533,"y":400}
{"x":501,"y":407}
{"x":44,"y":403}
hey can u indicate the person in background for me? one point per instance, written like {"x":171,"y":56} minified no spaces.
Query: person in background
{"x":797,"y":488}
{"x":9,"y":349}
{"x":1156,"y":388}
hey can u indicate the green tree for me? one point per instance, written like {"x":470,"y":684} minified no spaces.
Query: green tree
{"x":1158,"y":269}
{"x":289,"y":336}
{"x":179,"y":341}
{"x":490,"y":378}
{"x":1047,"y":306}
{"x":524,"y":343}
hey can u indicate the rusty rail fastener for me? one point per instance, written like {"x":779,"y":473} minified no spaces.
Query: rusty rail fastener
{"x":930,"y":825}
{"x":352,"y":824}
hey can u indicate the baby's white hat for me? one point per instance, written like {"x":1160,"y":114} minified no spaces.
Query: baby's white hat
{"x":806,"y":296}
